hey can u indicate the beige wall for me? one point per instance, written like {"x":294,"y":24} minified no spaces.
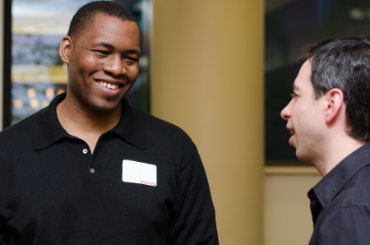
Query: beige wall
{"x":207,"y":77}
{"x":287,"y":218}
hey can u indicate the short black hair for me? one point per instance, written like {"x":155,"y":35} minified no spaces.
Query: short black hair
{"x":85,"y":16}
{"x":344,"y":63}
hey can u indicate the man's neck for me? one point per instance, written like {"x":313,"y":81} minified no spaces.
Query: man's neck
{"x":336,"y":151}
{"x":84,"y":122}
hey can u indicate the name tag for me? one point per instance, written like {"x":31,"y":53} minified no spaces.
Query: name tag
{"x":139,"y":173}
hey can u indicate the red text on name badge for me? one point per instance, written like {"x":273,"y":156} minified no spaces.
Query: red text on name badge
{"x":146,"y":182}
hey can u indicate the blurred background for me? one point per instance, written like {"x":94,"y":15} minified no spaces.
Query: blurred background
{"x":221,"y":70}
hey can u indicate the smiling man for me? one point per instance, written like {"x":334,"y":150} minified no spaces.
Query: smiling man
{"x":92,"y":169}
{"x":329,"y":117}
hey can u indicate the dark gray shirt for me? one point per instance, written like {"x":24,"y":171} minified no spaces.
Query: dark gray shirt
{"x":54,"y":191}
{"x":340,"y":202}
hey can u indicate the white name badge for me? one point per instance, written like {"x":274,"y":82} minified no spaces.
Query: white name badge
{"x":139,"y":173}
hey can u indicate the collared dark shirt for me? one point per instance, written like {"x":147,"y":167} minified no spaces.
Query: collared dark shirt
{"x":340,"y":202}
{"x":54,"y":191}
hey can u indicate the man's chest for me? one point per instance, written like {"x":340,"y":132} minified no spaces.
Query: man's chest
{"x":67,"y":187}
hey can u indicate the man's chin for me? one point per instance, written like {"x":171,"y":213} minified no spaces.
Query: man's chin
{"x":302,"y":156}
{"x":107,"y":106}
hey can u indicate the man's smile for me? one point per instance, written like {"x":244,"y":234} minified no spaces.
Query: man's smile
{"x":109,"y":85}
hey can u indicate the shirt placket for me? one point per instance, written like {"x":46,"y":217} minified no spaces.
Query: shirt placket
{"x":89,"y":161}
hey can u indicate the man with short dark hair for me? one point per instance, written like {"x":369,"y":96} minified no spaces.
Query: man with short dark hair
{"x":92,"y":169}
{"x":329,"y":117}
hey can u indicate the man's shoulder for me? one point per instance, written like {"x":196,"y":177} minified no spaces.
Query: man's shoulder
{"x":356,"y":191}
{"x":359,"y":185}
{"x":158,"y":128}
{"x":20,"y":132}
{"x":347,"y":213}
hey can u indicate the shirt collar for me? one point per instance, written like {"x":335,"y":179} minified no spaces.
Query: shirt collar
{"x":131,"y":126}
{"x":48,"y":129}
{"x":330,"y":185}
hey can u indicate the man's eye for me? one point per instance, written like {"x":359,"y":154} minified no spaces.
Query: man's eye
{"x":132,"y":59}
{"x":293,"y":95}
{"x":102,"y":52}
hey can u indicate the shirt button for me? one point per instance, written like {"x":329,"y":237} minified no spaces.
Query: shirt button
{"x":84,"y":151}
{"x":92,"y":170}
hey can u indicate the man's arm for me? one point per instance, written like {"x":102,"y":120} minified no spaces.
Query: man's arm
{"x":347,"y":225}
{"x":194,"y":223}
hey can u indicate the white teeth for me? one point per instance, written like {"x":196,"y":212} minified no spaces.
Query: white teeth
{"x":108,"y":85}
{"x":292,"y":131}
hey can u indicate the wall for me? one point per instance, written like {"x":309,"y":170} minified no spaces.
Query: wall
{"x":207,"y":78}
{"x":287,"y":219}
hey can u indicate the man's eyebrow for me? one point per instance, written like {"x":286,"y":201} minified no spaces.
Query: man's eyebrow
{"x":133,"y":51}
{"x":104,"y":44}
{"x":110,"y":46}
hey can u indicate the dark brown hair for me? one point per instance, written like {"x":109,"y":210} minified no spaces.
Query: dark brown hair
{"x":345,"y":64}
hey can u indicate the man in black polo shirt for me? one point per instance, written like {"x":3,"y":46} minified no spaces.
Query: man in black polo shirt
{"x":92,"y":169}
{"x":329,"y":117}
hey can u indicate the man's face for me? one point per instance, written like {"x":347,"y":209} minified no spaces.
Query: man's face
{"x":104,"y":62}
{"x":305,"y":117}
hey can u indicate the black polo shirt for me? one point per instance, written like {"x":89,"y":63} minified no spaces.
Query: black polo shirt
{"x":54,"y":191}
{"x":340,"y":202}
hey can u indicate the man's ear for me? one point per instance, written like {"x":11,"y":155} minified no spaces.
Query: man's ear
{"x":334,"y":100}
{"x":65,"y":49}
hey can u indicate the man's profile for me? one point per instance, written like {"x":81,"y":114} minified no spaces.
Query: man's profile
{"x":329,"y":118}
{"x":92,"y":169}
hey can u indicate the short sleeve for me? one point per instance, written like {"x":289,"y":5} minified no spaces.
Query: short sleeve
{"x":194,"y":224}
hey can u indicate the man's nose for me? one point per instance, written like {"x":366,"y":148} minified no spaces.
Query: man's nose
{"x":286,"y":112}
{"x":115,"y":66}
